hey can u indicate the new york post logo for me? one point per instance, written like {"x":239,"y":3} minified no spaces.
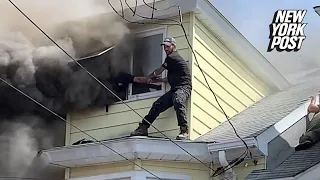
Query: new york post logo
{"x":287,"y":30}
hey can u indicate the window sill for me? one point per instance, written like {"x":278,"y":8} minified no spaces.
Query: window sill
{"x":142,"y":97}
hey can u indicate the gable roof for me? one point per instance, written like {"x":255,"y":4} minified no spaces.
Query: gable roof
{"x":297,"y":163}
{"x":263,"y":114}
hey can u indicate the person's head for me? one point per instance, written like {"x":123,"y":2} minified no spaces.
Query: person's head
{"x":169,"y":45}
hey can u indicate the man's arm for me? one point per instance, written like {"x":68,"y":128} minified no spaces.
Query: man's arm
{"x":164,"y":80}
{"x":144,"y":80}
{"x":313,"y":108}
{"x":157,"y":72}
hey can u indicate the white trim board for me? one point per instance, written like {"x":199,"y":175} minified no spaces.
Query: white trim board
{"x":131,"y":148}
{"x":136,"y":175}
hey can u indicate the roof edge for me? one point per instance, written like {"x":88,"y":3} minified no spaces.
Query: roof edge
{"x":232,"y":144}
{"x":278,"y":128}
{"x":246,"y":52}
{"x":313,"y":170}
{"x":131,"y":148}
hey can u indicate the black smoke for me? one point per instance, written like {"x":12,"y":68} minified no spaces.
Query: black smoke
{"x":50,"y":77}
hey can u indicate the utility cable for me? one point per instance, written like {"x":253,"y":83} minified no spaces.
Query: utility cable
{"x":157,"y":9}
{"x":101,"y":85}
{"x":144,"y":17}
{"x":136,"y":22}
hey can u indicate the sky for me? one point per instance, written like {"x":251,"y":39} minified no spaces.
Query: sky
{"x":253,"y":17}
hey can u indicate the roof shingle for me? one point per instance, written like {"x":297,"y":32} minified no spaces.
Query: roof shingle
{"x":297,"y":163}
{"x":263,"y":114}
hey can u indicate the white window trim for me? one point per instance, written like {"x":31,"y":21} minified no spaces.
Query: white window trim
{"x":136,"y":175}
{"x":154,"y":94}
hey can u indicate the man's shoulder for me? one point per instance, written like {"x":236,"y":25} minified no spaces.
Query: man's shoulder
{"x":175,"y":55}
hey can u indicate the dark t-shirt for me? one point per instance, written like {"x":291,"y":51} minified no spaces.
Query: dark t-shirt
{"x":178,"y":71}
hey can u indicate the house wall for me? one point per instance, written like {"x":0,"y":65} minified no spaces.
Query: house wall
{"x":236,"y":88}
{"x":196,"y":171}
{"x":120,"y":120}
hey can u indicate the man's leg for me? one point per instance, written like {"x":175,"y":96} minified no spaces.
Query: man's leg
{"x":179,"y":98}
{"x":159,"y":106}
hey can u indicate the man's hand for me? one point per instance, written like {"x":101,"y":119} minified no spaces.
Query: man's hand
{"x":159,"y":79}
{"x":313,"y":108}
{"x":143,"y":80}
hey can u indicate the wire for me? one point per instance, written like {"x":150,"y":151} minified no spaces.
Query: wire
{"x":154,"y":1}
{"x":153,"y":6}
{"x":215,"y":96}
{"x":101,"y":85}
{"x":63,"y":119}
{"x":135,"y":8}
{"x":135,"y":22}
{"x":144,"y":17}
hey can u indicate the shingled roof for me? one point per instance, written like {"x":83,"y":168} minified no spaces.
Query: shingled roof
{"x":297,"y":163}
{"x":263,"y":114}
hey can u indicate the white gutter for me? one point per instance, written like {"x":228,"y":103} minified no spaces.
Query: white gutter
{"x":233,"y":144}
{"x":131,"y":148}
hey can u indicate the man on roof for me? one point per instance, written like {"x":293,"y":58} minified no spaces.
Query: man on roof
{"x":312,"y":134}
{"x":179,"y":79}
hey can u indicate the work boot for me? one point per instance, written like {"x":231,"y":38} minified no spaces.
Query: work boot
{"x":142,"y":130}
{"x":184,"y":133}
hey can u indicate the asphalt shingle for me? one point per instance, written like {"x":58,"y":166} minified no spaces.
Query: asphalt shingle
{"x":297,"y":163}
{"x":263,"y":114}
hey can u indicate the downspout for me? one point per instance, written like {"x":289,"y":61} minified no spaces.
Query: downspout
{"x":228,"y":174}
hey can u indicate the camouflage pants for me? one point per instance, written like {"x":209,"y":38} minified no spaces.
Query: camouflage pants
{"x":177,"y":99}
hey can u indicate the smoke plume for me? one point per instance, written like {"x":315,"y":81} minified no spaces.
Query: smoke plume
{"x":29,"y":61}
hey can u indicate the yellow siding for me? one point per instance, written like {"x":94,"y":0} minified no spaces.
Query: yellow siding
{"x":235,"y":87}
{"x":97,"y":170}
{"x":120,"y":120}
{"x":196,"y":171}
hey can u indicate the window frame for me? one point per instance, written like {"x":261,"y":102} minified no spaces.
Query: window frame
{"x":146,"y":33}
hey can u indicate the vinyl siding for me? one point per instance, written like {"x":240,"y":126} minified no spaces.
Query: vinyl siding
{"x":97,"y":170}
{"x":120,"y":120}
{"x":235,"y":87}
{"x":196,"y":171}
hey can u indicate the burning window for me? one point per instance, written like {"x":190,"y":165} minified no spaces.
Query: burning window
{"x":148,"y":55}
